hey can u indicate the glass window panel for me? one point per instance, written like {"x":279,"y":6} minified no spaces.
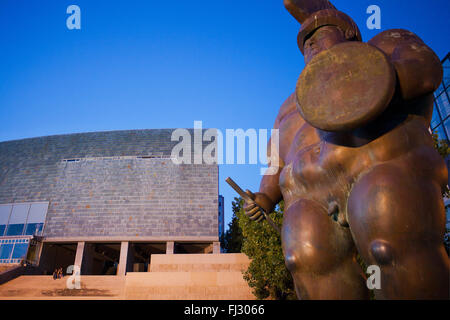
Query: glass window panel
{"x":37,"y":214}
{"x":440,"y":131}
{"x":446,"y":63}
{"x":5,"y":251}
{"x":5,"y":210}
{"x":435,"y":120}
{"x":2,"y":229}
{"x":20,"y":250}
{"x":446,"y":66}
{"x":15,"y":229}
{"x":439,"y":89}
{"x":447,"y":126}
{"x":34,"y":229}
{"x":443,"y":105}
{"x":19,"y":214}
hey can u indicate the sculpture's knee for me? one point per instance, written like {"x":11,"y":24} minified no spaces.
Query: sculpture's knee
{"x":304,"y":257}
{"x":292,"y":261}
{"x":381,"y":251}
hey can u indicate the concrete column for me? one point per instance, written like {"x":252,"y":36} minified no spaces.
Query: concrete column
{"x":38,"y":259}
{"x":122,"y":269}
{"x":130,"y":258}
{"x":169,"y":247}
{"x":216,"y":247}
{"x":79,"y":254}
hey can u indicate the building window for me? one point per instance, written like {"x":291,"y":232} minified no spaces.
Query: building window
{"x":5,"y":251}
{"x":34,"y":229}
{"x":13,"y":250}
{"x":22,"y":218}
{"x":5,"y":212}
{"x":15,"y":229}
{"x":20,"y":251}
{"x":36,"y":218}
{"x":17,"y":219}
{"x":441,"y":114}
{"x":443,"y":105}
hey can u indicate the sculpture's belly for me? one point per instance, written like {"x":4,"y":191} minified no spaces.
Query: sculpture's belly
{"x":321,"y":171}
{"x":325,"y":172}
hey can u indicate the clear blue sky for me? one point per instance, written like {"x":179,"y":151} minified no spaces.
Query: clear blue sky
{"x":163,"y":64}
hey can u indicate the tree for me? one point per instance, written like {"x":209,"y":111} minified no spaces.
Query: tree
{"x":444,"y":150}
{"x":231,"y":241}
{"x":267,"y":273}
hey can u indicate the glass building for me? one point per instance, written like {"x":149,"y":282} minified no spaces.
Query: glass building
{"x":221,"y":216}
{"x":440,"y":122}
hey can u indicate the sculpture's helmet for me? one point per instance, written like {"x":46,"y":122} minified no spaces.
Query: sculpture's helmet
{"x":313,"y":14}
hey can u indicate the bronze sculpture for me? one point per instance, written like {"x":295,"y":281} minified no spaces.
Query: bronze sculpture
{"x":357,"y":168}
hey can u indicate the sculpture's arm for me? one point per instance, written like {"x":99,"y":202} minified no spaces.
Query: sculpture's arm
{"x":418,"y":69}
{"x":269,"y":194}
{"x":269,"y":186}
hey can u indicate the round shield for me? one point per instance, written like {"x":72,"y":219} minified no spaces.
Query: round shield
{"x":345,"y":87}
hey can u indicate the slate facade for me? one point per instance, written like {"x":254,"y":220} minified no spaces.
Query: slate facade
{"x":112,"y":185}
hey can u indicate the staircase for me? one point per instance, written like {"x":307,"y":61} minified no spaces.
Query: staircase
{"x":191,"y":277}
{"x":171,"y":277}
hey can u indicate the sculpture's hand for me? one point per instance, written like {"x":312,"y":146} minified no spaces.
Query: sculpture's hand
{"x":253,"y":208}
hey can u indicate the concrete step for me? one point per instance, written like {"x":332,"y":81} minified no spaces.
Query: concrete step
{"x":171,"y":277}
{"x":230,"y":262}
{"x":187,"y":286}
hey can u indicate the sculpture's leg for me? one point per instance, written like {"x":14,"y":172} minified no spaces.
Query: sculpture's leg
{"x":397,"y":218}
{"x":320,"y":254}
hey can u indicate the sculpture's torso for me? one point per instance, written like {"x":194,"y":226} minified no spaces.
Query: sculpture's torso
{"x":319,"y":166}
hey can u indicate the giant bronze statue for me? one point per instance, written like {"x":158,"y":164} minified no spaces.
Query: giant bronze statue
{"x":358,"y":171}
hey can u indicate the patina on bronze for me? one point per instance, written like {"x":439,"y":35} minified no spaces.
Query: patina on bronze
{"x":369,"y":184}
{"x":345,"y":87}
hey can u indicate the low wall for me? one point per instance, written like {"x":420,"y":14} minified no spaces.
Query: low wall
{"x":5,"y":267}
{"x":17,"y":271}
{"x":187,"y":286}
{"x":225,"y":262}
{"x":12,"y":273}
{"x":191,"y":277}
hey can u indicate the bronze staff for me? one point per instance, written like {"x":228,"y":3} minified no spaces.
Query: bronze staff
{"x":248,"y":197}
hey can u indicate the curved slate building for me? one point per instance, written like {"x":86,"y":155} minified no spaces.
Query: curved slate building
{"x":104,"y":201}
